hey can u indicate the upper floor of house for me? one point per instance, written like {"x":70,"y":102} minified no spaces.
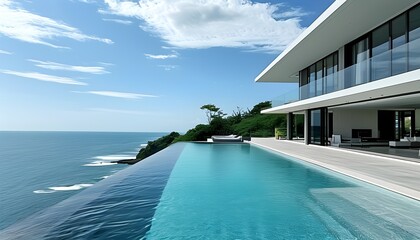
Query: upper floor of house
{"x":352,"y":43}
{"x":390,"y":49}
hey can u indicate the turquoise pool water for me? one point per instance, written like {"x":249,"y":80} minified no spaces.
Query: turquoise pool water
{"x":243,"y":192}
{"x":226,"y":191}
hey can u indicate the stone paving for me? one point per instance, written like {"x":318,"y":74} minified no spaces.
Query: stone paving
{"x":385,"y":171}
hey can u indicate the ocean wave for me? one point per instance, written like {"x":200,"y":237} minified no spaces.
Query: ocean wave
{"x":133,"y":154}
{"x":43,"y":191}
{"x":71,"y":188}
{"x":99,"y":164}
{"x":64,"y":188}
{"x":101,"y":178}
{"x":113,"y":157}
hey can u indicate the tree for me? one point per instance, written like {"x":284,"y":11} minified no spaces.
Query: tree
{"x":259,"y":107}
{"x":212,"y":112}
{"x":155,"y":146}
{"x":236,"y":116}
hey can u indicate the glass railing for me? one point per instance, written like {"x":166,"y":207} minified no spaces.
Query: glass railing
{"x":288,"y":97}
{"x":393,"y":62}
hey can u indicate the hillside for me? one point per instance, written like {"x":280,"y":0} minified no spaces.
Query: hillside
{"x":250,"y":123}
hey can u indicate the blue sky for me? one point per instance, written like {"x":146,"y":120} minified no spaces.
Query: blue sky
{"x":149,"y":65}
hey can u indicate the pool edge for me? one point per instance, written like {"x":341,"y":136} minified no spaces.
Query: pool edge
{"x":413,"y":194}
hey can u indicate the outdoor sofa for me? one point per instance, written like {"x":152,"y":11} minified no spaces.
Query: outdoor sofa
{"x":406,"y":142}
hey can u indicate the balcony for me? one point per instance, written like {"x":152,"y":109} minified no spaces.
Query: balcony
{"x":289,"y":97}
{"x":389,"y":63}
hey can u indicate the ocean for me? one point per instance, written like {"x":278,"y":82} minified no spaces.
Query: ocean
{"x":40,"y":169}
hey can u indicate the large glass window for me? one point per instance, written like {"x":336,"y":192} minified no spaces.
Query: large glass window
{"x":311,"y":80}
{"x":303,"y":77}
{"x":381,"y":56}
{"x":399,"y":47}
{"x":360,"y":62}
{"x":414,"y":38}
{"x":391,"y":49}
{"x":329,"y":72}
{"x":319,"y":78}
{"x":337,"y":83}
{"x":316,"y":126}
{"x":303,"y":80}
{"x":319,"y":75}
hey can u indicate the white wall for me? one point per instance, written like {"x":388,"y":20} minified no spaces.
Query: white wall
{"x":344,"y":120}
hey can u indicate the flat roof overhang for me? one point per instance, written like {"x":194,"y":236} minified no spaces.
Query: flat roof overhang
{"x":402,"y":91}
{"x":342,"y":22}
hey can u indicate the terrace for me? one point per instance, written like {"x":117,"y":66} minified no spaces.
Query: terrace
{"x":391,"y":172}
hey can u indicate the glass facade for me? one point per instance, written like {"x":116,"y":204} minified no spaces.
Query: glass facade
{"x":414,"y":38}
{"x":390,"y":49}
{"x":318,"y":126}
{"x":381,"y":56}
{"x":311,"y":80}
{"x":319,"y":75}
{"x":319,"y":78}
{"x":399,"y":39}
{"x":360,"y":59}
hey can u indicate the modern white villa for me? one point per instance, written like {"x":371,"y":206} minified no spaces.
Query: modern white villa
{"x":357,"y":73}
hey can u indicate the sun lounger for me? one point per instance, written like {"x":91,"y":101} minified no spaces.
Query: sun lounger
{"x":228,"y":138}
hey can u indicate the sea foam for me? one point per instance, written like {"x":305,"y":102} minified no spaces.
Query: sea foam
{"x":114,"y":157}
{"x":44,"y":191}
{"x":99,"y":164}
{"x":71,"y":188}
{"x":64,"y":188}
{"x":107,"y":160}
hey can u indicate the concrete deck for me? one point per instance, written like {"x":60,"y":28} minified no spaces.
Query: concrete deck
{"x":393,"y":174}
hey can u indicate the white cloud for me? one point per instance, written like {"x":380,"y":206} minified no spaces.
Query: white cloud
{"x":166,"y":47}
{"x":20,"y":24}
{"x":120,"y":111}
{"x":5,"y":52}
{"x":215,"y":23}
{"x":65,"y":67}
{"x":106,"y":64}
{"x":291,"y":13}
{"x":43,"y":77}
{"x":151,"y":56}
{"x":119,"y":94}
{"x":87,"y":1}
{"x":125,"y":22}
{"x":168,"y":67}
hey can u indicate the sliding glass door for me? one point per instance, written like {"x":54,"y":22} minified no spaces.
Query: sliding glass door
{"x":318,"y":126}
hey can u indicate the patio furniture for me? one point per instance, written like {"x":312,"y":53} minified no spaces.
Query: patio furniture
{"x":406,"y":142}
{"x":399,"y":144}
{"x":414,"y":141}
{"x":228,"y":138}
{"x":337,"y":141}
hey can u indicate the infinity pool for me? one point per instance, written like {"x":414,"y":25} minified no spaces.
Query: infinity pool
{"x":225,"y":191}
